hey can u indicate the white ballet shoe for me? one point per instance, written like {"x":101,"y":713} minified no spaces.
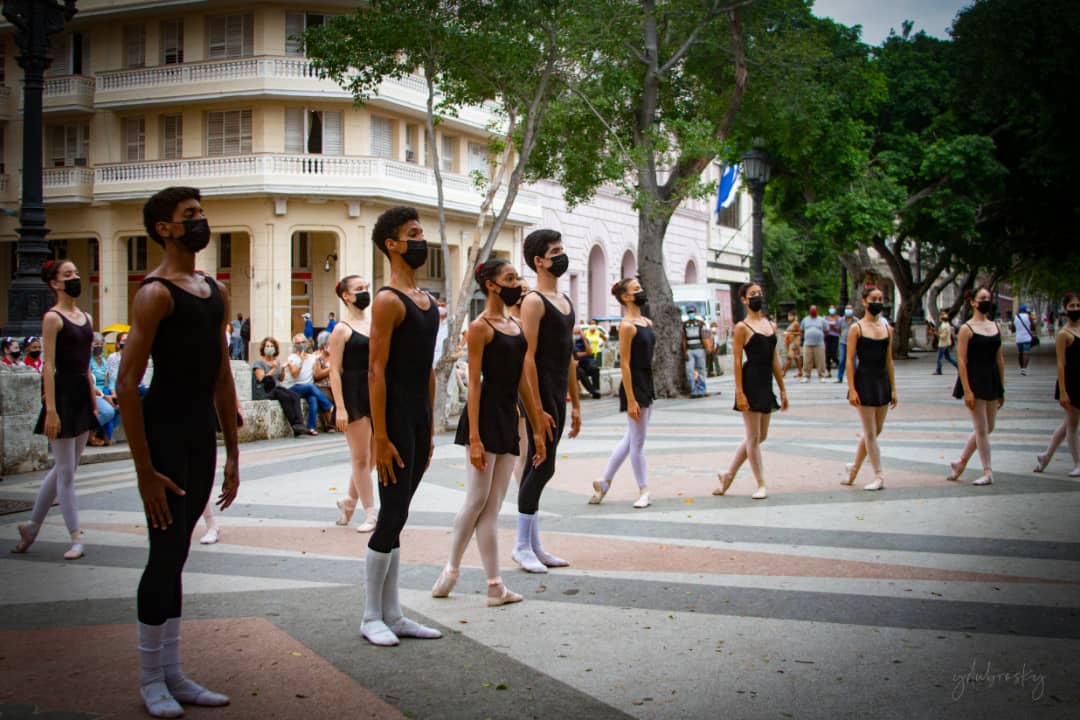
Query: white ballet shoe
{"x":987,"y":479}
{"x":75,"y":552}
{"x":598,"y":492}
{"x":849,"y":468}
{"x":376,"y":632}
{"x":210,"y":537}
{"x":1075,"y":472}
{"x":445,"y":583}
{"x":878,"y":484}
{"x":371,"y":517}
{"x":760,"y":494}
{"x":159,"y":702}
{"x":643,"y":501}
{"x":528,"y":561}
{"x":1041,"y":461}
{"x":725,"y":478}
{"x":548,"y":559}
{"x":190,"y":692}
{"x":405,"y":627}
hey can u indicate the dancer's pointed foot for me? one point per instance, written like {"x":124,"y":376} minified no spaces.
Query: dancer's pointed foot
{"x":1075,"y":472}
{"x":159,"y":702}
{"x":499,"y":594}
{"x":600,"y":489}
{"x":1041,"y":461}
{"x":377,"y":633}
{"x":548,"y":559}
{"x":190,"y":692}
{"x":851,"y":473}
{"x":528,"y":560}
{"x":347,"y":507}
{"x":986,"y":479}
{"x":760,"y":494}
{"x":956,"y":469}
{"x":878,"y":484}
{"x":725,"y":478}
{"x":445,"y":582}
{"x":27,"y":534}
{"x":210,"y":537}
{"x":371,"y":517}
{"x":405,"y":627}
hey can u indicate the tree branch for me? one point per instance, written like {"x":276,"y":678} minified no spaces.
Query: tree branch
{"x":713,"y":12}
{"x":926,"y":191}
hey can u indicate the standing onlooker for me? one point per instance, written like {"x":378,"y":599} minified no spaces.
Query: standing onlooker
{"x":309,"y":329}
{"x":588,"y":374}
{"x":331,"y":322}
{"x":712,"y":358}
{"x":792,"y":343}
{"x":813,"y":331}
{"x":1026,"y":339}
{"x":709,"y":345}
{"x":299,"y":374}
{"x":245,"y":338}
{"x":944,"y":342}
{"x":235,"y":342}
{"x":33,"y":353}
{"x":694,"y":352}
{"x":12,"y":351}
{"x":845,"y":325}
{"x":596,"y":338}
{"x":832,"y":340}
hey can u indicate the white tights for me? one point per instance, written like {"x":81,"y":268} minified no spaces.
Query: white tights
{"x":60,"y":482}
{"x":1067,"y":431}
{"x":484,"y":493}
{"x":873,"y":420}
{"x":632,"y":444}
{"x":358,"y":435}
{"x":757,"y":431}
{"x":982,"y":415}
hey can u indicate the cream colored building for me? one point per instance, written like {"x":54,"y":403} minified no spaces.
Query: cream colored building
{"x":143,"y":95}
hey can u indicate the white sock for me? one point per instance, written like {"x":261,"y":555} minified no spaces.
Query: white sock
{"x":183,"y":689}
{"x":155,"y":694}
{"x":524,"y":538}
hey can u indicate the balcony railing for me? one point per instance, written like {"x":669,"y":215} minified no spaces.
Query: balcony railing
{"x":68,"y":91}
{"x":304,"y":175}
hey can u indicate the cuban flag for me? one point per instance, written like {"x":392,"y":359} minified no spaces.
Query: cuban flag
{"x":725,"y":194}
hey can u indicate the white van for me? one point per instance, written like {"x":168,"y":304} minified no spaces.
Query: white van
{"x":711,"y":300}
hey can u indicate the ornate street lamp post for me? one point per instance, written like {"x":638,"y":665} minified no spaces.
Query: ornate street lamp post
{"x":34,"y":21}
{"x":756,"y":171}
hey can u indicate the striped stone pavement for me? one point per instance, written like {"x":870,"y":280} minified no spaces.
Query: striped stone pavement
{"x":929,"y":599}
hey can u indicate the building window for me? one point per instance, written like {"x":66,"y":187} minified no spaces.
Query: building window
{"x":69,"y":145}
{"x":231,"y":36}
{"x":134,"y":139}
{"x":172,"y":42}
{"x":172,"y":135}
{"x":411,"y":136}
{"x":478,"y":159}
{"x":134,"y":46}
{"x":301,"y":259}
{"x":435,"y":268}
{"x":136,"y":253}
{"x":3,"y":60}
{"x":446,"y":154}
{"x":225,"y":251}
{"x":70,"y":54}
{"x":382,"y":137}
{"x":729,"y":216}
{"x":228,"y":132}
{"x":295,"y":24}
{"x":312,"y":131}
{"x":95,"y":255}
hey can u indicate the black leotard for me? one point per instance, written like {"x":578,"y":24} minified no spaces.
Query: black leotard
{"x":408,"y":415}
{"x":1072,"y":372}
{"x":982,"y":368}
{"x":74,"y":400}
{"x":180,"y":420}
{"x":641,"y":379}
{"x":757,"y":372}
{"x":501,"y":366}
{"x":354,"y":375}
{"x":871,"y":370}
{"x":554,"y":348}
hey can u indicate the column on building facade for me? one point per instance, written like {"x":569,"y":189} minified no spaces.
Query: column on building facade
{"x":271,"y":295}
{"x":112,"y":264}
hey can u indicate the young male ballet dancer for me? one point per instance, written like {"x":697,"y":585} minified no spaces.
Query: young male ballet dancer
{"x":179,"y":317}
{"x":547,"y":317}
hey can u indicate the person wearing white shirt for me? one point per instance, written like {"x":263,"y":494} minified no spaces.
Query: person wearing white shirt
{"x":1025,"y":332}
{"x":299,"y":376}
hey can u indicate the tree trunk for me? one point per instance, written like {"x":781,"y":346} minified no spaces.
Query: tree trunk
{"x":911,"y":293}
{"x":669,"y":370}
{"x":959,"y":308}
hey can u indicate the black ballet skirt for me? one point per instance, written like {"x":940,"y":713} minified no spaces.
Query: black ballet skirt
{"x":501,"y":366}
{"x":1072,"y":373}
{"x":641,"y":379}
{"x":871,"y":371}
{"x":354,"y":376}
{"x":75,"y":401}
{"x":757,"y":372}
{"x":982,"y":368}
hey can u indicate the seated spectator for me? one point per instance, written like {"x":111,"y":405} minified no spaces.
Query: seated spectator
{"x":266,"y":372}
{"x":588,"y":374}
{"x":12,"y":351}
{"x":33,"y":353}
{"x":299,"y":376}
{"x":107,"y":406}
{"x":322,"y":378}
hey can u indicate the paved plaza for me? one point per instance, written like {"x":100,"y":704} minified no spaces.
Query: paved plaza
{"x":927,"y":600}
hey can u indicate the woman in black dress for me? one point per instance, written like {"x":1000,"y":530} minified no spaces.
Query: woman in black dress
{"x":489,"y":427}
{"x":1067,"y":388}
{"x":69,"y":411}
{"x":349,"y":386}
{"x":871,"y":382}
{"x":981,"y":382}
{"x":636,"y":341}
{"x":756,"y":335}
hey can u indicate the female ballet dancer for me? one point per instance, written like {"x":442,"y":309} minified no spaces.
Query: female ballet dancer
{"x":636,"y":394}
{"x":349,"y":385}
{"x":488,"y":428}
{"x":69,"y":412}
{"x":981,"y":382}
{"x":1067,"y":390}
{"x":753,"y":386}
{"x":871,"y":382}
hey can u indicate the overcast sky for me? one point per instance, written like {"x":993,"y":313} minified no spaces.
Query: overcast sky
{"x":878,"y":16}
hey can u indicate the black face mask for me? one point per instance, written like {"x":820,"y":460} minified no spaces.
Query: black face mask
{"x":559,"y":264}
{"x":510,"y":295}
{"x":416,"y":254}
{"x":196,"y":234}
{"x":640,"y":298}
{"x":875,"y":308}
{"x":35,"y":354}
{"x":985,"y":307}
{"x":1073,"y":315}
{"x":97,"y":351}
{"x":362,"y":300}
{"x":73,"y":287}
{"x":755,"y":303}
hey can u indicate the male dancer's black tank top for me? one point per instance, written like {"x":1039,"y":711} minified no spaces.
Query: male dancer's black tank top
{"x":71,"y":389}
{"x":187,"y":358}
{"x":554,"y":348}
{"x":354,"y":375}
{"x":984,"y":378}
{"x":502,"y":362}
{"x":641,"y":379}
{"x":412,"y":350}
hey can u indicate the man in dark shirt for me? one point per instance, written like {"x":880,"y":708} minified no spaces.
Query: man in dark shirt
{"x":588,"y":374}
